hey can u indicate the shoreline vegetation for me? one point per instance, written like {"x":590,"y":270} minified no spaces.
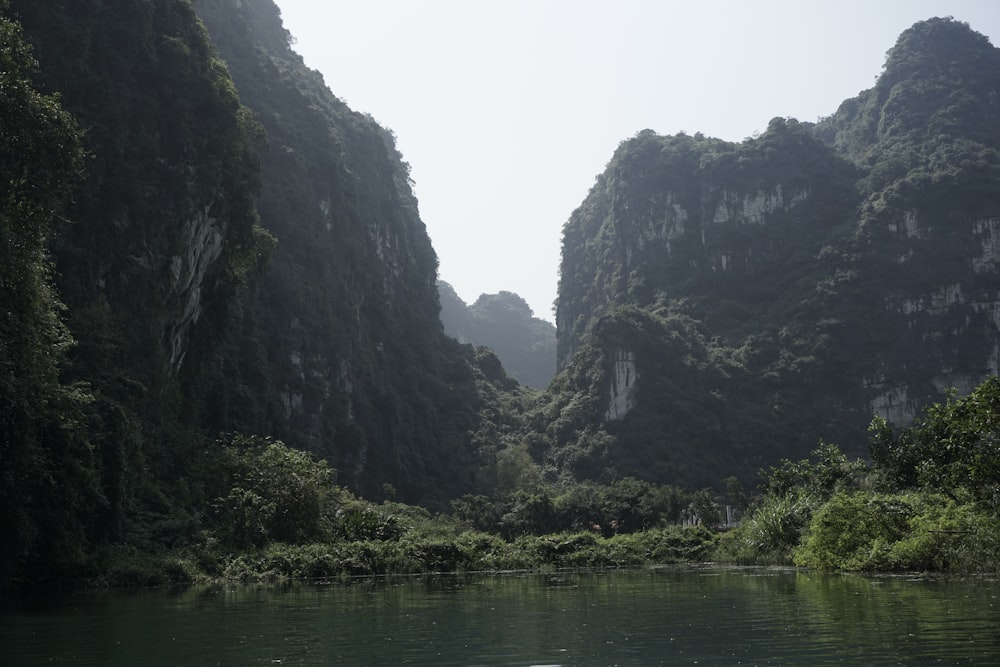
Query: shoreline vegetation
{"x":927,"y":502}
{"x":470,"y":552}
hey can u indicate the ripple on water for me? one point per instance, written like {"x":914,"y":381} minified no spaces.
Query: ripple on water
{"x":639,"y":618}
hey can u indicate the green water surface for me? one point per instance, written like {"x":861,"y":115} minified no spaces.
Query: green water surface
{"x":686,"y":616}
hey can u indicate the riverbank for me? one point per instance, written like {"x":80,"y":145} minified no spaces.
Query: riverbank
{"x":469,"y":551}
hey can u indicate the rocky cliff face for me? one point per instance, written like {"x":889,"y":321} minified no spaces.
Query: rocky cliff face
{"x":340,"y":349}
{"x":148,"y":254}
{"x":835,"y":271}
{"x":166,"y":217}
{"x":946,"y":330}
{"x":926,"y":135}
{"x":675,"y":213}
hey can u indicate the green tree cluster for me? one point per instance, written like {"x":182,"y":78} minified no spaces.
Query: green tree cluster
{"x":954,"y":447}
{"x":927,"y":502}
{"x":47,"y":465}
{"x":275,"y":494}
{"x":624,"y":506}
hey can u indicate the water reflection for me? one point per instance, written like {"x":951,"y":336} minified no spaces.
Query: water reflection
{"x":651,"y":617}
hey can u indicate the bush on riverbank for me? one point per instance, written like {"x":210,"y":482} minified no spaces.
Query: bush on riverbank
{"x":929,"y":501}
{"x":276,"y":514}
{"x":468,"y":551}
{"x":899,"y":532}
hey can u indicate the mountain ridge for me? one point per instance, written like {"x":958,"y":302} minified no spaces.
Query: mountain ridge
{"x":847,"y":265}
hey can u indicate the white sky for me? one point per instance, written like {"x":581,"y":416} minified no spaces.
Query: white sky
{"x":507,"y":110}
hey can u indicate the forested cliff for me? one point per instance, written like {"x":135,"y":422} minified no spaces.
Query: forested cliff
{"x":339,"y":349}
{"x":232,"y":250}
{"x":725,"y":304}
{"x":149,"y":244}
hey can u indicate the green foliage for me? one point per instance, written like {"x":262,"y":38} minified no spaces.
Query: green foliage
{"x":411,"y":554}
{"x":954,"y":447}
{"x":792,"y":493}
{"x":357,"y":525}
{"x":276,"y":494}
{"x":827,"y":471}
{"x":915,"y":531}
{"x":624,"y":506}
{"x":704,"y":510}
{"x":527,"y":513}
{"x":48,"y":487}
{"x":772,"y":531}
{"x":935,"y":511}
{"x":851,"y":530}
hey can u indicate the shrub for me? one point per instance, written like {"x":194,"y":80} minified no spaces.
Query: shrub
{"x":854,"y":531}
{"x":276,"y":494}
{"x":356,"y":525}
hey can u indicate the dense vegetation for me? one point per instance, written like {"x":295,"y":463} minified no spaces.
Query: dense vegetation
{"x":505,"y":323}
{"x":928,"y":501}
{"x":221,"y":352}
{"x":275,"y":513}
{"x":45,"y":458}
{"x":147,"y":211}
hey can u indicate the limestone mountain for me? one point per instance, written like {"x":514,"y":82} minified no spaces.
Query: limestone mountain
{"x":149,"y":247}
{"x":722,"y":305}
{"x":339,"y":348}
{"x":504,"y":322}
{"x":233,"y":251}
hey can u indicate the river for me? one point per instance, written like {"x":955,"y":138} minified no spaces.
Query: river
{"x":660,"y":616}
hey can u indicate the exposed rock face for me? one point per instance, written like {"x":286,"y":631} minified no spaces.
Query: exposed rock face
{"x":341,"y":350}
{"x":660,"y":215}
{"x":834,"y":271}
{"x":200,"y":247}
{"x":166,"y":218}
{"x":951,"y":327}
{"x":623,"y":376}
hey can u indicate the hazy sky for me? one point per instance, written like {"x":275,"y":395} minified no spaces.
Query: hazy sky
{"x":507,"y":110}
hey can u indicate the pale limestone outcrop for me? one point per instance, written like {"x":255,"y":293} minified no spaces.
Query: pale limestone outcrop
{"x":623,"y":377}
{"x":199,"y":245}
{"x":945,"y":318}
{"x":987,"y":232}
{"x":751,"y":208}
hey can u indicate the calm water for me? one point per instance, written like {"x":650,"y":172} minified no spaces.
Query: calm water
{"x":649,"y":617}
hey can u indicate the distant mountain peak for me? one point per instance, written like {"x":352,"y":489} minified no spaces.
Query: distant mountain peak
{"x":525,"y":344}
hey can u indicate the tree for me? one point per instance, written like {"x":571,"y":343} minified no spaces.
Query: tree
{"x":954,"y":446}
{"x":47,"y":487}
{"x":277,"y":493}
{"x":704,"y":509}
